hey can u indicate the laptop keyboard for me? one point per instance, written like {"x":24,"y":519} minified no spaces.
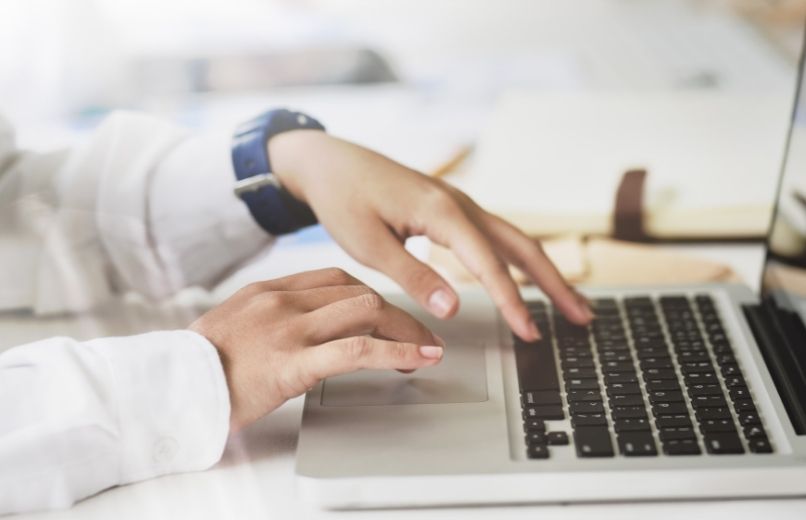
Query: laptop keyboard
{"x":649,"y":377}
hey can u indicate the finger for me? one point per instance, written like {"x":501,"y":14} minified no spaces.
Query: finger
{"x":475,"y":251}
{"x":528,"y":256}
{"x":361,"y":352}
{"x":308,"y":300}
{"x":388,"y":255}
{"x":331,"y":276}
{"x":365,"y":314}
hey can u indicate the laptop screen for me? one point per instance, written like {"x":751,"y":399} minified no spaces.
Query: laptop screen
{"x":784,"y":276}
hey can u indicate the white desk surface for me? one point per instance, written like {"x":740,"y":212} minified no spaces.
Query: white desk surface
{"x":255,"y":478}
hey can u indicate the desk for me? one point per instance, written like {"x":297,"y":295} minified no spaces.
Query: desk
{"x":255,"y":478}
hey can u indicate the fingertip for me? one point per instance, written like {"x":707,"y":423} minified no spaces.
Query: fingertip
{"x":528,"y":331}
{"x":442,"y":303}
{"x":583,"y":309}
{"x":431,"y":352}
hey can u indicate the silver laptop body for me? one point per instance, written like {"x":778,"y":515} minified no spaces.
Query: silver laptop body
{"x":719,"y":371}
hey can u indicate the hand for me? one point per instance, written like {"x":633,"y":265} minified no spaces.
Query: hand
{"x":279,"y":338}
{"x":370,"y":205}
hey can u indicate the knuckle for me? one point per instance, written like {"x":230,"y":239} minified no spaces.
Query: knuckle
{"x":338,"y":276}
{"x":274,"y":300}
{"x":357,"y":348}
{"x":252,"y":289}
{"x":400,"y":351}
{"x":440,"y":200}
{"x":371,"y":301}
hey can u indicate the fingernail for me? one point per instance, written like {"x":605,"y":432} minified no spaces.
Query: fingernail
{"x":440,"y":303}
{"x":586,"y":311}
{"x":431,"y":352}
{"x":531,"y":326}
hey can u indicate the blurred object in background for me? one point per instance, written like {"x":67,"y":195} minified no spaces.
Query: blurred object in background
{"x":780,"y":20}
{"x":167,"y":75}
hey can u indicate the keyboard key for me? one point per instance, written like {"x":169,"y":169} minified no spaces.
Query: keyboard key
{"x":580,"y":372}
{"x":534,"y":425}
{"x":682,"y":447}
{"x":744,"y":405}
{"x":693,"y":356}
{"x":615,"y":356}
{"x":557,"y":438}
{"x":593,"y":442}
{"x":759,"y":445}
{"x":586,"y":407}
{"x":536,"y":438}
{"x":637,"y":444}
{"x":575,"y":362}
{"x":627,"y":400}
{"x":754,"y":430}
{"x":632,"y":425}
{"x":708,"y":401}
{"x":542,"y":397}
{"x":704,"y":389}
{"x":628,"y":412}
{"x":537,"y":451}
{"x":656,"y":363}
{"x":588,"y":419}
{"x":653,"y":352}
{"x":581,"y":384}
{"x":669,"y":409}
{"x":701,"y":377}
{"x":734,"y":381}
{"x":654,"y":385}
{"x":551,"y":412}
{"x":618,"y":366}
{"x":623,"y":389}
{"x":725,"y":358}
{"x":681,"y":432}
{"x":739,"y":392}
{"x":537,"y":368}
{"x":723,"y":443}
{"x":717,"y":425}
{"x":673,"y":421}
{"x":698,"y":367}
{"x":719,"y":412}
{"x":584,"y":395}
{"x":664,"y":396}
{"x":615,"y":377}
{"x":748,"y":418}
{"x":730,"y":370}
{"x":660,"y":373}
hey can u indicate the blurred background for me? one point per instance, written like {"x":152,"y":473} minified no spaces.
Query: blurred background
{"x":64,"y":63}
{"x":418,"y":80}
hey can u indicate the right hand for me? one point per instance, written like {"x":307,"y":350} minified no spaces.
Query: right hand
{"x":278,"y":338}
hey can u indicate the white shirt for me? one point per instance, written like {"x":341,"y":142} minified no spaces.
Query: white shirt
{"x":146,"y":207}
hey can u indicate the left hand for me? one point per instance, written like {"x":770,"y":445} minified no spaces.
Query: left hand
{"x":370,"y":205}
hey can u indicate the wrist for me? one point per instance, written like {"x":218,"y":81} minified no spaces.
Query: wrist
{"x":291,"y":155}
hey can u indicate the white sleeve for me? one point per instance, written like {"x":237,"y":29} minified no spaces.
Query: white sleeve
{"x":80,"y":417}
{"x":144,"y":205}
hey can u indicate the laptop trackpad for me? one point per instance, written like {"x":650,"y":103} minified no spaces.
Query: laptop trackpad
{"x":461,"y":377}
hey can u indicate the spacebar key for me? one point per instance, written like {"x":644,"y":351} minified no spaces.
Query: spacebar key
{"x":537,"y":367}
{"x":593,"y":442}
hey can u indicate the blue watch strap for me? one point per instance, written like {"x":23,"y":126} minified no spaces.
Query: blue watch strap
{"x":273,"y":208}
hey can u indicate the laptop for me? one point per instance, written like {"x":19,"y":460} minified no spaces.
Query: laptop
{"x":676,"y":392}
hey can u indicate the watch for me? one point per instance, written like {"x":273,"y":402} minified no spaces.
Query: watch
{"x":271,"y":205}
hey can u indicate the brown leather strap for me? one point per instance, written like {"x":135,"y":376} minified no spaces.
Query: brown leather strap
{"x":628,"y":217}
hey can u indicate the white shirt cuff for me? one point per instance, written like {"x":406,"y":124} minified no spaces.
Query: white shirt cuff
{"x":173,"y":402}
